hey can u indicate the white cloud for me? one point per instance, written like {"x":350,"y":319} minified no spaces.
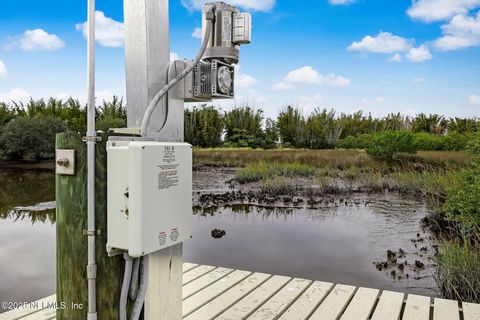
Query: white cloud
{"x":397,"y":57}
{"x":108,"y":32}
{"x":243,"y":80}
{"x":420,"y":54}
{"x":436,"y":10}
{"x":309,"y":103}
{"x":308,"y":75}
{"x":103,"y":95}
{"x":254,"y":5}
{"x":474,"y":99}
{"x":174,"y":56}
{"x":36,"y":40}
{"x":3,"y":70}
{"x":341,"y":2}
{"x":17,"y":95}
{"x":384,"y":42}
{"x":461,"y":32}
{"x":377,"y":100}
{"x":282,"y":85}
{"x":197,"y":33}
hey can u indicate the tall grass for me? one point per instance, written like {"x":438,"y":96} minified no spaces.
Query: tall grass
{"x":458,"y":271}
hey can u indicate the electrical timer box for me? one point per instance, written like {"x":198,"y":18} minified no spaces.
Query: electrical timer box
{"x":149,"y":200}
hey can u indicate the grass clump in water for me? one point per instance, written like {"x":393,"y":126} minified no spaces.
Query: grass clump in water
{"x":263,"y":171}
{"x":278,"y":186}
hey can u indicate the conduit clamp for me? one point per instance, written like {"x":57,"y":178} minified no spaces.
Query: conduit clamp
{"x":92,"y":233}
{"x":92,"y":138}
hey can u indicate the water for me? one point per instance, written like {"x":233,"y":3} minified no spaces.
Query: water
{"x":336,"y":244}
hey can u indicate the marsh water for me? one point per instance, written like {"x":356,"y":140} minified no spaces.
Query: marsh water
{"x":338,"y":243}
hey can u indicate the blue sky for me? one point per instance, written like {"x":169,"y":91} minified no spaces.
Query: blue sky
{"x":375,"y":55}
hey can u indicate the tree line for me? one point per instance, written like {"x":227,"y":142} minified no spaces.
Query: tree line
{"x":27,"y":131}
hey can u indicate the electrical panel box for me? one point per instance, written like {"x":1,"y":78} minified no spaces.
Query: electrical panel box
{"x":149,"y":200}
{"x":242,"y":28}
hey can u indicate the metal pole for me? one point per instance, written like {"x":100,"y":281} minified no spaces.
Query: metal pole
{"x":147,"y":54}
{"x":91,"y":139}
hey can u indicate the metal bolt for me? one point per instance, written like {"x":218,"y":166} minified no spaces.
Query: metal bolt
{"x":64,"y":162}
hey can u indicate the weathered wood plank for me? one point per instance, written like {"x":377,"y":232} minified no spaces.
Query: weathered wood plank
{"x":246,"y":306}
{"x":33,"y":307}
{"x":46,"y":314}
{"x":333,"y":306}
{"x":471,"y":311}
{"x":209,"y":293}
{"x":280,"y":302}
{"x":361,"y":306}
{"x":389,"y":306}
{"x":229,"y":298}
{"x":188,"y":266}
{"x":204,"y":281}
{"x":304,"y":306}
{"x":196,"y":273}
{"x":417,"y":308}
{"x":445,"y":310}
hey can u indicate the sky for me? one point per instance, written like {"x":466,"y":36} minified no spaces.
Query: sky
{"x":373,"y":55}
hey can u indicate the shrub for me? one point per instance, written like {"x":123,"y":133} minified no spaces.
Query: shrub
{"x":362,"y":141}
{"x":389,"y":144}
{"x":28,"y":138}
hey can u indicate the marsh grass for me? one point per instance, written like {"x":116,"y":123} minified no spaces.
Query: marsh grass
{"x":279,"y":186}
{"x":263,"y":170}
{"x":458,"y":271}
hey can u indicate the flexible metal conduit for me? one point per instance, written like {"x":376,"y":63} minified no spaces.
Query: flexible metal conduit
{"x":160,"y":94}
{"x":91,"y":139}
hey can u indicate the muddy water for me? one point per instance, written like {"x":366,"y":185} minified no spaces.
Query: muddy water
{"x":337,"y":244}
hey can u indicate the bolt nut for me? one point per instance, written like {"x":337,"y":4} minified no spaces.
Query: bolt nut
{"x":64,"y":162}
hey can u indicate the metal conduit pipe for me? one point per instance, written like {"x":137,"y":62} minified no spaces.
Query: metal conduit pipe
{"x":91,"y":139}
{"x":160,"y":94}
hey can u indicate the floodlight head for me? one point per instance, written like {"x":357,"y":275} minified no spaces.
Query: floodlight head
{"x":230,"y":29}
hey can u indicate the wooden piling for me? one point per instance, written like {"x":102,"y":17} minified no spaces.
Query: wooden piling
{"x":71,"y":221}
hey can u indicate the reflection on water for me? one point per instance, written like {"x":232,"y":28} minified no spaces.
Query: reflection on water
{"x":337,"y":244}
{"x":27,"y":234}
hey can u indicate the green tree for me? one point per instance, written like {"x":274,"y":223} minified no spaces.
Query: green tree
{"x":28,"y":138}
{"x":291,"y":127}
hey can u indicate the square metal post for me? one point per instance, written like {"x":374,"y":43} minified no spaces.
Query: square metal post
{"x":147,"y":53}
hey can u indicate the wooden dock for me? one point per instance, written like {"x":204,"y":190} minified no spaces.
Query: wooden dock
{"x":226,"y":294}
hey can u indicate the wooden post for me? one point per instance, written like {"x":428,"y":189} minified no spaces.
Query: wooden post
{"x":147,"y":56}
{"x":71,"y":221}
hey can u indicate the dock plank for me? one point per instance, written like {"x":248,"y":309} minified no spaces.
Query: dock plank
{"x":195,"y":273}
{"x":280,"y":302}
{"x":251,"y":302}
{"x":188,"y":266}
{"x":445,"y":309}
{"x":304,"y":306}
{"x":204,"y":281}
{"x":218,"y":305}
{"x":335,"y":303}
{"x":204,"y":296}
{"x":389,"y":306}
{"x":471,"y":311}
{"x":361,"y":305}
{"x":417,"y":308}
{"x":211,"y":292}
{"x":34,"y":307}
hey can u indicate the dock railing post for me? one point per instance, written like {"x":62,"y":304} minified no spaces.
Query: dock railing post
{"x":147,"y":54}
